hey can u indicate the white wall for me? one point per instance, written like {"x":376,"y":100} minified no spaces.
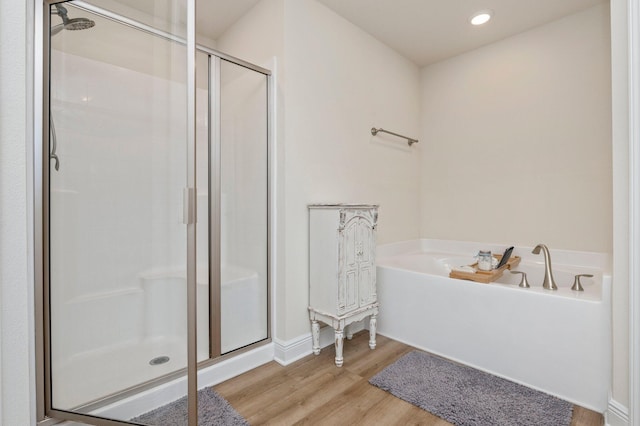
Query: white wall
{"x":620,"y":134}
{"x":340,"y":83}
{"x":258,"y":37}
{"x":517,"y":139}
{"x":337,"y":82}
{"x":15,"y":295}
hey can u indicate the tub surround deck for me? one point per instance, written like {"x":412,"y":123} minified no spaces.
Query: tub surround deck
{"x":466,"y":250}
{"x":555,"y":341}
{"x":436,"y":257}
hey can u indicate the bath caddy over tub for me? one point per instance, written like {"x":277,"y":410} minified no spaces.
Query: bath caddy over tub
{"x":486,"y":276}
{"x":342,"y":270}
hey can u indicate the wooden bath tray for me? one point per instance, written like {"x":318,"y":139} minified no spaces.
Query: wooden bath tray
{"x":486,"y":276}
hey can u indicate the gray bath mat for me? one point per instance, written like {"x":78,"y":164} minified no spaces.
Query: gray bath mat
{"x":465,"y":396}
{"x":212,"y":410}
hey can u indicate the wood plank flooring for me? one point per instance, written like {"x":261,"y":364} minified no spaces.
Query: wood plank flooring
{"x":313,"y":391}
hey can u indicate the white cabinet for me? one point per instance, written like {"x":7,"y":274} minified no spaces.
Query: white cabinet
{"x":342,"y":270}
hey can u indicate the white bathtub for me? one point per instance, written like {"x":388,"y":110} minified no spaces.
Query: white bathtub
{"x":555,"y":341}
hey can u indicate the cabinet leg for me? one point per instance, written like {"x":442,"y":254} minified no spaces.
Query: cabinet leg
{"x":315,"y":335}
{"x":348,"y":333}
{"x":339,"y":342}
{"x":373,"y":322}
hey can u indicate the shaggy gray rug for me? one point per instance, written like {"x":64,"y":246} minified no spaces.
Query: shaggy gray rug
{"x":212,"y":410}
{"x":465,"y":396}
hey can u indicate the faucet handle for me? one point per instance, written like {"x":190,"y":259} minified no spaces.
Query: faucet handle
{"x":523,"y":281}
{"x":577,"y":286}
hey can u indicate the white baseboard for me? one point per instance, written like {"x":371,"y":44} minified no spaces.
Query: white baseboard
{"x":287,"y":352}
{"x":616,"y":414}
{"x":235,"y":366}
{"x":176,"y":389}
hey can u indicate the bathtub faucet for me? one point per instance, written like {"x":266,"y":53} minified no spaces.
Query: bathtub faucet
{"x":549,"y":283}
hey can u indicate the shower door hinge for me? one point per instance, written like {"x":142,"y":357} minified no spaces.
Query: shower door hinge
{"x":188,"y":206}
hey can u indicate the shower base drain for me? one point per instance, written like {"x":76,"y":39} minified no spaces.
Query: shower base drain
{"x":159,"y":360}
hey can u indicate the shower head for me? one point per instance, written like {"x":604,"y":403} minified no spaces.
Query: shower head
{"x":78,"y":24}
{"x":73,"y":24}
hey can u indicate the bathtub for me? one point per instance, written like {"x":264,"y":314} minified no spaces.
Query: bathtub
{"x":558,"y":342}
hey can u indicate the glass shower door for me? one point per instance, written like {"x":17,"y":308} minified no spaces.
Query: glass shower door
{"x":116,"y":273}
{"x":124,"y":269}
{"x":243,"y":178}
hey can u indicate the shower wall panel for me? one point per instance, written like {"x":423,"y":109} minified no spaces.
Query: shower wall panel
{"x":112,"y":140}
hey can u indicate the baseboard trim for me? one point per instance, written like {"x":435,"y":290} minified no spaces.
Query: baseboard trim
{"x":616,"y":414}
{"x":287,"y":352}
{"x":235,"y":366}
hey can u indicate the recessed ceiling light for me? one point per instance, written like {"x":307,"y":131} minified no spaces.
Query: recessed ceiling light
{"x":481,"y":17}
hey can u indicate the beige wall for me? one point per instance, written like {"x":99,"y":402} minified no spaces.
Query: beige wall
{"x":258,"y":37}
{"x":517,"y":139}
{"x":340,"y":83}
{"x":335,"y":82}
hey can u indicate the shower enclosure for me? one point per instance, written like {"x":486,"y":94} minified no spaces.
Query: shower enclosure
{"x":144,"y":197}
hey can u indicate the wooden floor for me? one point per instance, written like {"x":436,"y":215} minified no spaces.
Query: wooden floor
{"x":314,"y":391}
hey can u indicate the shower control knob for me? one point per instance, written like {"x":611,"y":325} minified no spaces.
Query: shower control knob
{"x":523,"y":281}
{"x":577,"y":285}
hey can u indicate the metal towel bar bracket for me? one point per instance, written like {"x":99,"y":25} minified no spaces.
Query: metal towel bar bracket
{"x":410,"y":141}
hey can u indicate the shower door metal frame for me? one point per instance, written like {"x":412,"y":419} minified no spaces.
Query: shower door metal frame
{"x":215,"y":217}
{"x":215,"y":59}
{"x":41,"y":169}
{"x":191,"y":222}
{"x":45,"y":412}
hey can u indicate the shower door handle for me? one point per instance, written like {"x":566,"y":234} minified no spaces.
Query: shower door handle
{"x":54,"y":144}
{"x":188,"y":206}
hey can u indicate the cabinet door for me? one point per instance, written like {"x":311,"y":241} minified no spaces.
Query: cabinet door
{"x":366,"y":265}
{"x":348,"y":284}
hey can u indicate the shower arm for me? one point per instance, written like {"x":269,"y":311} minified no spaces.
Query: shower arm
{"x":54,"y":144}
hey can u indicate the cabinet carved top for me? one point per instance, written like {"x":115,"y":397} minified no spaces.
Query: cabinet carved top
{"x":343,"y":206}
{"x":349,"y":212}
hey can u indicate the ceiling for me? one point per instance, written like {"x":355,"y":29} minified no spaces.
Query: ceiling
{"x":214,"y":17}
{"x":425,"y":31}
